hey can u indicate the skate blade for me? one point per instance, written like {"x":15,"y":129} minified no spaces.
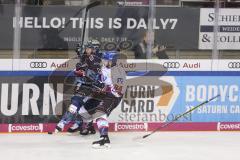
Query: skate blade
{"x":73,"y":133}
{"x":97,"y":146}
{"x":56,"y":133}
{"x":88,"y":134}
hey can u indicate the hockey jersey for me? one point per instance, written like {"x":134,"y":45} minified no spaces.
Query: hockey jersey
{"x":114,"y":79}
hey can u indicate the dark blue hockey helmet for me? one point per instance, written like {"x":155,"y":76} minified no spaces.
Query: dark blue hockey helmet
{"x":89,"y":45}
{"x":95,"y":44}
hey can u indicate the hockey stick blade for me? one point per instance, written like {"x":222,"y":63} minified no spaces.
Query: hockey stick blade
{"x":140,"y":137}
{"x":145,"y":136}
{"x":180,"y":116}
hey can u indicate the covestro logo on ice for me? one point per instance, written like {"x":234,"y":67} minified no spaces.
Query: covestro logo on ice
{"x":25,"y":127}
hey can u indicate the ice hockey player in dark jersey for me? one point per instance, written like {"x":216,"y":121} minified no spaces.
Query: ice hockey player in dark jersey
{"x":112,"y":80}
{"x":89,"y":64}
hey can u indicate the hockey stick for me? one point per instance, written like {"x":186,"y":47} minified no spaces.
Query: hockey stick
{"x":91,"y":5}
{"x":87,"y":7}
{"x":178,"y":117}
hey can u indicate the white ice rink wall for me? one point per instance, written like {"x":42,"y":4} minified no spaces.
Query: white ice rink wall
{"x":34,"y":96}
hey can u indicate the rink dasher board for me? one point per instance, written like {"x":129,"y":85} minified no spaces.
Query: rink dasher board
{"x":168,"y":95}
{"x":228,"y":77}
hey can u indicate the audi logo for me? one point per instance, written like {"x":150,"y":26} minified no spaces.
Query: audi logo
{"x":38,"y":65}
{"x":234,"y":65}
{"x":171,"y":64}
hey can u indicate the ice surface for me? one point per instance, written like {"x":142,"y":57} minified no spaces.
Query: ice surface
{"x":159,"y":146}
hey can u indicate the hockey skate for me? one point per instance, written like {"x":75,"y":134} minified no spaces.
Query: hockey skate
{"x":73,"y":129}
{"x":103,"y":142}
{"x":89,"y":129}
{"x":59,"y":127}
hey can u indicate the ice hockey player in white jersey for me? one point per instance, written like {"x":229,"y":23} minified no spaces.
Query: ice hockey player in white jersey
{"x":114,"y":79}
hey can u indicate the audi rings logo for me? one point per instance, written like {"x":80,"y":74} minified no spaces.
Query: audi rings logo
{"x":171,"y":65}
{"x":234,"y":65}
{"x":38,"y":65}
